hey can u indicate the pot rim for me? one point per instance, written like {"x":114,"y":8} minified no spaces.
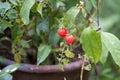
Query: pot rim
{"x":44,"y":68}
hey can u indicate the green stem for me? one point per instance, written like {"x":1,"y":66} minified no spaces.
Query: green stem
{"x":42,"y":38}
{"x":63,"y":49}
{"x":56,"y":50}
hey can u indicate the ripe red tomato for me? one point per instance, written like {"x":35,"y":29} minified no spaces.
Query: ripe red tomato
{"x":69,"y":38}
{"x":62,"y":32}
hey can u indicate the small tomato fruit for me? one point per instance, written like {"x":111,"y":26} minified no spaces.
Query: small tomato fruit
{"x":62,"y":32}
{"x":69,"y":38}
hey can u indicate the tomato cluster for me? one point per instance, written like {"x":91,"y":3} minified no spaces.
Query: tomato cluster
{"x":69,"y":38}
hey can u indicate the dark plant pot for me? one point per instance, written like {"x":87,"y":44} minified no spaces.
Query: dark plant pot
{"x":48,"y":72}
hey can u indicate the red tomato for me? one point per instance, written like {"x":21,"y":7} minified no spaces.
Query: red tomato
{"x":69,"y":38}
{"x":62,"y":32}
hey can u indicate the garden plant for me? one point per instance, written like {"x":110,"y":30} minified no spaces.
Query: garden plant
{"x":54,"y":32}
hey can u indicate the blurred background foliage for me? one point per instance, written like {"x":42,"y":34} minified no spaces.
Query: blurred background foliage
{"x":110,"y":16}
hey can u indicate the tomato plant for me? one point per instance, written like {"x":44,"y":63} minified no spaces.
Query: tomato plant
{"x":35,"y":30}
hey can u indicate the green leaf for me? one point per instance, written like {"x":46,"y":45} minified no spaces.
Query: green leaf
{"x":60,"y":4}
{"x":84,"y":13}
{"x":12,"y":14}
{"x":4,"y":73}
{"x":3,"y":25}
{"x":65,"y":61}
{"x":11,"y":68}
{"x":60,"y":66}
{"x":16,"y":32}
{"x":43,"y":26}
{"x":23,"y":52}
{"x":13,"y":2}
{"x":52,"y":3}
{"x":17,"y":57}
{"x":2,"y":12}
{"x":69,"y":54}
{"x":112,"y":44}
{"x":40,"y":7}
{"x":25,"y":10}
{"x":6,"y":6}
{"x":43,"y":52}
{"x":70,"y":16}
{"x":6,"y":77}
{"x":53,"y":36}
{"x":91,"y":43}
{"x":104,"y":53}
{"x":24,"y":44}
{"x":4,"y":38}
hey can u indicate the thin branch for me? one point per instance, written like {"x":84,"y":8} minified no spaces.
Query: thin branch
{"x":82,"y":68}
{"x":98,"y":14}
